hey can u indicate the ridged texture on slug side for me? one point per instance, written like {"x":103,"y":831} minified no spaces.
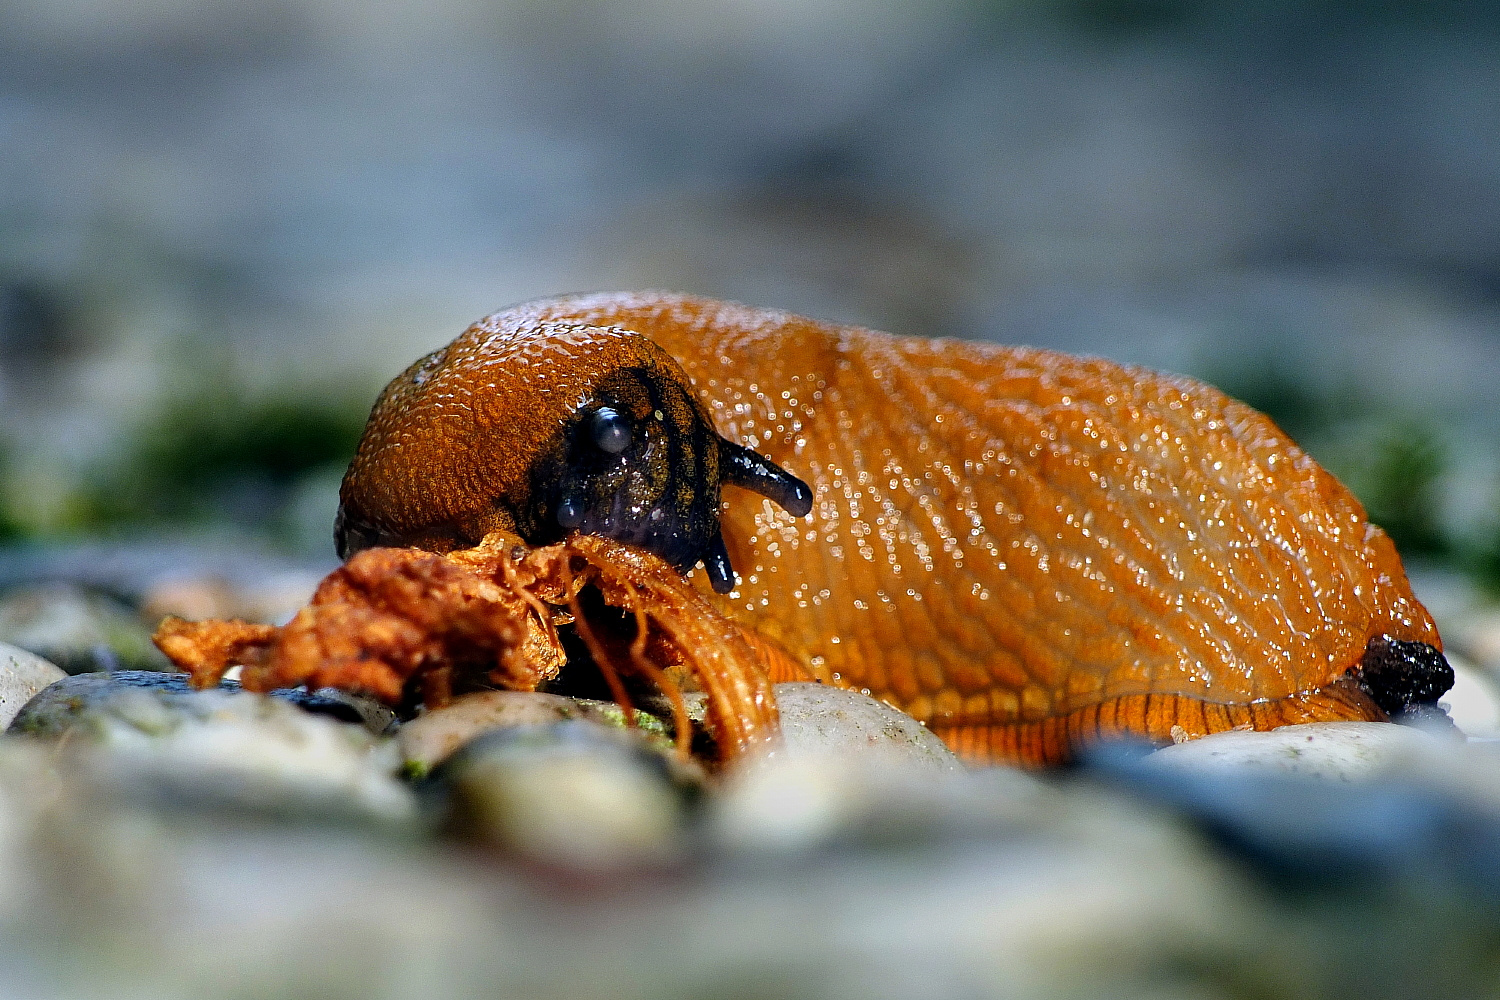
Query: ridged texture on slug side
{"x":1021,"y":547}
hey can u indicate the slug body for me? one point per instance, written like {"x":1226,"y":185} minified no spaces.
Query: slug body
{"x":1025,"y":550}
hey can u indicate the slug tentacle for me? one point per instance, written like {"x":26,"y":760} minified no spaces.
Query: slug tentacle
{"x":743,"y":467}
{"x":716,"y":564}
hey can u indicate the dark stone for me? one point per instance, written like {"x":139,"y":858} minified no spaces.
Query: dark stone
{"x":1398,"y":674}
{"x":1309,"y":832}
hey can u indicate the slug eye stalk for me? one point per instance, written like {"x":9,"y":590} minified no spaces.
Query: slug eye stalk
{"x":758,"y":474}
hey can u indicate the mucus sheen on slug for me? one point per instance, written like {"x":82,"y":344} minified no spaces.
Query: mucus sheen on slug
{"x":1024,"y":549}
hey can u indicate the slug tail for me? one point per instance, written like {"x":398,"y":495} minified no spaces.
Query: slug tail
{"x":1400,"y":676}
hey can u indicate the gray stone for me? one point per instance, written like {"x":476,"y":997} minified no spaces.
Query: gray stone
{"x":147,"y":735}
{"x":79,"y":630}
{"x":433,"y":736}
{"x":22,"y":676}
{"x":799,"y":802}
{"x":346,"y":706}
{"x":821,"y":719}
{"x":78,"y":699}
{"x":1339,"y":751}
{"x":576,"y":794}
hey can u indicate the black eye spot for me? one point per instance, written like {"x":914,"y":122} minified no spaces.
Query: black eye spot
{"x":610,"y":430}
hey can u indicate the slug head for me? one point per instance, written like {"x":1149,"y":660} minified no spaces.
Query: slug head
{"x":543,"y":431}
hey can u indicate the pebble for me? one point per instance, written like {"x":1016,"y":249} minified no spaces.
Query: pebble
{"x":577,"y":795}
{"x":1338,"y":751}
{"x":375,"y":716}
{"x":80,"y":699}
{"x":791,"y":803}
{"x":819,"y":719}
{"x":151,"y":735}
{"x":435,"y":735}
{"x":79,"y":630}
{"x":22,"y":676}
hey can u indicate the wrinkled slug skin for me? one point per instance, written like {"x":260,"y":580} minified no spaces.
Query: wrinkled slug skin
{"x":1022,"y":548}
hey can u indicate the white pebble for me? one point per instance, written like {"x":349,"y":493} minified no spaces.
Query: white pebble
{"x":820,"y":719}
{"x":23,"y":675}
{"x":1339,"y":751}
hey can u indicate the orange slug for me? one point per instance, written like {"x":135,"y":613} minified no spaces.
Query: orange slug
{"x":1026,"y":550}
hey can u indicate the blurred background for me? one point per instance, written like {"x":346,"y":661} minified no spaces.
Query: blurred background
{"x":223,"y":225}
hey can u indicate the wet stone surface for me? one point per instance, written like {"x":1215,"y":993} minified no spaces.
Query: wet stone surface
{"x":83,"y":700}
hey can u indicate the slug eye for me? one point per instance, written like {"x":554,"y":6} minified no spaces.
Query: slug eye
{"x":610,"y":430}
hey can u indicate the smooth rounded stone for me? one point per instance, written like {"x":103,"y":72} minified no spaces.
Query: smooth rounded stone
{"x":22,"y":676}
{"x":797,"y":802}
{"x":74,"y":701}
{"x":822,"y":719}
{"x":345,"y":706}
{"x":435,"y":735}
{"x":148,"y":733}
{"x":29,"y":785}
{"x":1338,"y":751}
{"x":79,"y":630}
{"x":1473,"y":703}
{"x":574,"y":794}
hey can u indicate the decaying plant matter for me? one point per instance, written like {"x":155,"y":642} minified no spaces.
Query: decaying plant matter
{"x":400,"y":624}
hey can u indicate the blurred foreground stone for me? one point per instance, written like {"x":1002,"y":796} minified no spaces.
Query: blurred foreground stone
{"x":171,"y":843}
{"x":839,"y":875}
{"x":578,"y":795}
